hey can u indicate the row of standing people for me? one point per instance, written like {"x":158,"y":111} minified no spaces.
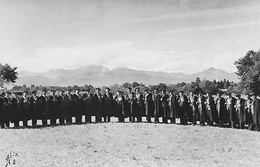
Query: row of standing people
{"x":219,"y":111}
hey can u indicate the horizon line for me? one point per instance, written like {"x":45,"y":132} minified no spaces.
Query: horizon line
{"x":111,"y":69}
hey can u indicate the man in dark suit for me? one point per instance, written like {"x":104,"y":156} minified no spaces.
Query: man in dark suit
{"x":59,"y":110}
{"x":183,"y":108}
{"x":88,"y":106}
{"x":129,"y":97}
{"x":230,"y":107}
{"x":220,"y":107}
{"x":7,"y":109}
{"x":157,"y":105}
{"x":172,"y":103}
{"x":165,"y":105}
{"x":202,"y":108}
{"x":149,"y":105}
{"x":75,"y":105}
{"x":193,"y":108}
{"x":138,"y":105}
{"x":24,"y":108}
{"x":248,"y":110}
{"x":108,"y":110}
{"x":97,"y":104}
{"x":33,"y":107}
{"x":2,"y":110}
{"x":240,"y":111}
{"x":120,"y":106}
{"x":42,"y":108}
{"x":255,"y":112}
{"x":51,"y":103}
{"x":67,"y":107}
{"x":15,"y":110}
{"x":210,"y":106}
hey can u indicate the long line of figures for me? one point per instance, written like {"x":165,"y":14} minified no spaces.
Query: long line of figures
{"x":222,"y":110}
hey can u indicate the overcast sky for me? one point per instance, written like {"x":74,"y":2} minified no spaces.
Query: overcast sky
{"x":161,"y":35}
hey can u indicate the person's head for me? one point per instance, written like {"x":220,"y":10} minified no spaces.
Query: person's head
{"x":129,"y":89}
{"x":3,"y":94}
{"x":163,"y":92}
{"x":77,"y":91}
{"x":25,"y":93}
{"x":107,"y":90}
{"x":34,"y":92}
{"x":155,"y":91}
{"x":146,"y":91}
{"x":67,"y":92}
{"x":238,"y":96}
{"x":87,"y":91}
{"x":200,"y":94}
{"x":118,"y":93}
{"x":9,"y":94}
{"x":98,"y":90}
{"x":208,"y":94}
{"x":137,"y":90}
{"x":61,"y":92}
{"x":253,"y":95}
{"x":53,"y":92}
{"x":44,"y":92}
{"x":181,"y":93}
{"x":13,"y":95}
{"x":191,"y":93}
{"x":229,"y":95}
{"x":219,"y":94}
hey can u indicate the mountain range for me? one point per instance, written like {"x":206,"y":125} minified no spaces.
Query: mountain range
{"x":99,"y":76}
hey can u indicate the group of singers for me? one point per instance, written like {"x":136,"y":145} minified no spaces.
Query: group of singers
{"x":59,"y":107}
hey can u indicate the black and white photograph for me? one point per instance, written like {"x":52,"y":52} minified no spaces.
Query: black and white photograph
{"x":129,"y":83}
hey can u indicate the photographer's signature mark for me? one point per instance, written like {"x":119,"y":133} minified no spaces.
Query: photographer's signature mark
{"x":11,"y":159}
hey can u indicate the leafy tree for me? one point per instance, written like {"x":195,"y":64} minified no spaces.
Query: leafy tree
{"x":7,"y":74}
{"x":162,"y":86}
{"x":208,"y":86}
{"x":226,"y":84}
{"x":197,"y":82}
{"x":248,"y":70}
{"x":135,"y":84}
{"x":127,"y":85}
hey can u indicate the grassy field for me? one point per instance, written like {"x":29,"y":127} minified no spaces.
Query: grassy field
{"x":130,"y":144}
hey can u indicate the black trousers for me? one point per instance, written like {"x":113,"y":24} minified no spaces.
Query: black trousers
{"x":44,"y":121}
{"x":165,"y":120}
{"x":98,"y":119}
{"x":106,"y":118}
{"x":173,"y":120}
{"x":16,"y":124}
{"x":53,"y":121}
{"x":121,"y":118}
{"x":78,"y":119}
{"x":69,"y":120}
{"x":61,"y":121}
{"x":34,"y":122}
{"x":25,"y":122}
{"x":88,"y":118}
{"x":148,"y":118}
{"x":202,"y":117}
{"x":156,"y":119}
{"x":184,"y":120}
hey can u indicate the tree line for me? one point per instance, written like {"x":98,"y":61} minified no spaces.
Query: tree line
{"x":197,"y":86}
{"x":248,"y":71}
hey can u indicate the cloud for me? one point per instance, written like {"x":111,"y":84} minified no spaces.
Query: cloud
{"x":72,"y":57}
{"x":214,"y":27}
{"x":125,"y":54}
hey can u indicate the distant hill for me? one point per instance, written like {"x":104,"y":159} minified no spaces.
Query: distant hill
{"x":98,"y":76}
